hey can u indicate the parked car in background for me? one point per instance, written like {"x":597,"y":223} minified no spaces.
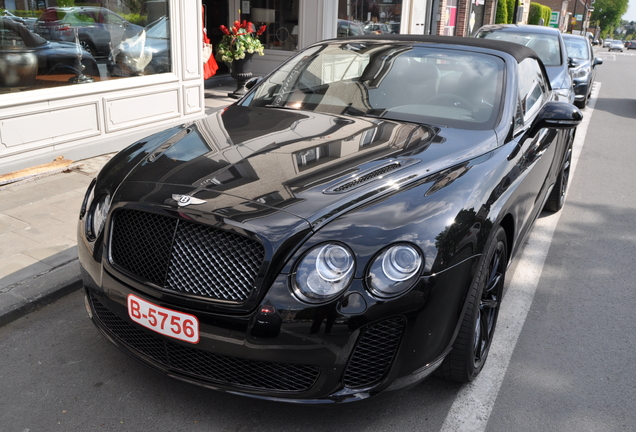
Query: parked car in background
{"x":630,"y":44}
{"x":377,"y":28}
{"x":349,"y":28}
{"x":24,"y":56}
{"x":583,"y":68}
{"x":616,"y":45}
{"x":98,"y":29}
{"x":146,"y":53}
{"x":547,"y":42}
{"x":607,"y":42}
{"x":342,"y":230}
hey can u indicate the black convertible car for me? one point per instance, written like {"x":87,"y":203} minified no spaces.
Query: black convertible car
{"x":342,"y":230}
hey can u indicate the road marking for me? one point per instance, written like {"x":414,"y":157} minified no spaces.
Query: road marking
{"x":474,"y":402}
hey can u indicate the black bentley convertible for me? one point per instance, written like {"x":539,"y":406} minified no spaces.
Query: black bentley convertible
{"x":342,"y":230}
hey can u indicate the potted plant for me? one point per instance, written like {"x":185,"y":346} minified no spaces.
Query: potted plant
{"x":237,"y":47}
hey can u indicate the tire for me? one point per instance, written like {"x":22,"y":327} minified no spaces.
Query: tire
{"x":471,"y":347}
{"x":557,"y":196}
{"x":88,"y":46}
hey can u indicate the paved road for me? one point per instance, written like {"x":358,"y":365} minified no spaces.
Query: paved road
{"x":572,"y":368}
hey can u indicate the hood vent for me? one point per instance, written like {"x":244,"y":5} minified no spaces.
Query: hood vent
{"x":370,"y":175}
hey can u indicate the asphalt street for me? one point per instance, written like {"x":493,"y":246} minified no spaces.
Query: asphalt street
{"x":571,"y":368}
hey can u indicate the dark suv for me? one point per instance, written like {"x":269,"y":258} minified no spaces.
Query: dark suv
{"x":98,"y":28}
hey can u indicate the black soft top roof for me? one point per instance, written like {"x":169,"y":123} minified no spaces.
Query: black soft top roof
{"x":519,"y":52}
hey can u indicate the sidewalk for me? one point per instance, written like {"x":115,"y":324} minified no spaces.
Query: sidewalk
{"x":38,"y":222}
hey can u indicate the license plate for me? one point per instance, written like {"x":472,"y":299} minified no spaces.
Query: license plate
{"x":165,"y":321}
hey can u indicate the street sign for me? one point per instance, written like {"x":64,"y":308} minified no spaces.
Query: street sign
{"x":554,"y":20}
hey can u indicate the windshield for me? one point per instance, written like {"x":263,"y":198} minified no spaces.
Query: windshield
{"x":545,"y":45}
{"x":421,"y":84}
{"x":577,"y":48}
{"x":159,"y":29}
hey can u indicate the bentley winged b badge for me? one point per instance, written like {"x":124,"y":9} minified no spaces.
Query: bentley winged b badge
{"x":184,"y":200}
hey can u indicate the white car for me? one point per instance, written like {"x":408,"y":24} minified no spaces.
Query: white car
{"x":616,"y":45}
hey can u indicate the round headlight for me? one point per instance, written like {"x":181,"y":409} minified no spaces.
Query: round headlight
{"x":97,"y":216}
{"x":323,"y":273}
{"x":394,"y":270}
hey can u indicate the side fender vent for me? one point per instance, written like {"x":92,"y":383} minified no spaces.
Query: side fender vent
{"x":362,"y":178}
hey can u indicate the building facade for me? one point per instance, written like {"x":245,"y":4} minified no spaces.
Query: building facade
{"x":142,"y":61}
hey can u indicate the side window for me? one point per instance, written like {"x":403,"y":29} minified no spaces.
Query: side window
{"x":533,"y":92}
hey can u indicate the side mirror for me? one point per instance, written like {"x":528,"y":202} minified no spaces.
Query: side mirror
{"x":556,"y":115}
{"x":597,"y":61}
{"x":252,"y":82}
{"x":572,"y":63}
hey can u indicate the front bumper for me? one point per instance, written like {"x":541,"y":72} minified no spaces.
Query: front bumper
{"x":321,"y":358}
{"x":581,"y":89}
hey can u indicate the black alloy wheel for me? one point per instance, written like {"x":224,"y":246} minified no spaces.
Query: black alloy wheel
{"x":557,"y":196}
{"x":470,"y":350}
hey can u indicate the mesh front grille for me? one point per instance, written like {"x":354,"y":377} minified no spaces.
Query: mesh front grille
{"x":185,"y":256}
{"x":374,"y":353}
{"x":207,"y":366}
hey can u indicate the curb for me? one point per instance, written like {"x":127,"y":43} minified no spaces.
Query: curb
{"x":30,"y":294}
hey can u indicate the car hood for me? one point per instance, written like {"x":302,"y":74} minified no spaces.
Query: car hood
{"x":310,"y":165}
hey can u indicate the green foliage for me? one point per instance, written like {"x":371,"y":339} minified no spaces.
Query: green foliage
{"x":607,"y":14}
{"x":510,"y":9}
{"x":538,"y":11}
{"x":26,"y":13}
{"x":502,"y":13}
{"x":135,"y":18}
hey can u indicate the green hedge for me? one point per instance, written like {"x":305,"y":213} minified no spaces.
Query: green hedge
{"x":538,"y":11}
{"x":502,"y":12}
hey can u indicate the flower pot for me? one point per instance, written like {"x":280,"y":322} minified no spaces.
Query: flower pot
{"x":241,"y":71}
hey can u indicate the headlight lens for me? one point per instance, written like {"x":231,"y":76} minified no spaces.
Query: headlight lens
{"x":323,"y":273}
{"x":96,"y":216}
{"x":394,"y":270}
{"x":580,"y":73}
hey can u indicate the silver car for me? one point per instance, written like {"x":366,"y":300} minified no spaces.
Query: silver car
{"x":616,"y":45}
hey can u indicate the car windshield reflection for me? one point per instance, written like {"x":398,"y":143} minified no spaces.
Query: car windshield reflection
{"x":410,"y":83}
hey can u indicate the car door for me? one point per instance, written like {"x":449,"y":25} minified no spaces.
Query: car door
{"x":535,"y":154}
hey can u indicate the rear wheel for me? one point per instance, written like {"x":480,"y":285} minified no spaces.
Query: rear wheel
{"x":88,"y":46}
{"x":472,"y":345}
{"x":557,"y":196}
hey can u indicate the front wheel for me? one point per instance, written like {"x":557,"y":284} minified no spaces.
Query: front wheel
{"x":557,"y":196}
{"x":471,"y":347}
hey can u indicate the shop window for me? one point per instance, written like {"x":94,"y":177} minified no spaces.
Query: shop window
{"x":374,"y":16}
{"x":281,"y":19}
{"x":61,"y":46}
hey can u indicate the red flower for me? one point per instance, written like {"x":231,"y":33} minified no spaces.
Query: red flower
{"x":261,"y":30}
{"x":224,"y":30}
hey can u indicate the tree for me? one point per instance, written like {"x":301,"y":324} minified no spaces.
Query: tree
{"x":608,"y":13}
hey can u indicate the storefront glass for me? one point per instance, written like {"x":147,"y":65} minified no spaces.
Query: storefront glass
{"x":375,"y":16}
{"x":281,"y":19}
{"x":59,"y":46}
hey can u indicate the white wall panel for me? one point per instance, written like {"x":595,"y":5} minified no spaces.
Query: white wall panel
{"x":129,"y":111}
{"x":192,"y":95}
{"x":192,"y":35}
{"x":43,"y":128}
